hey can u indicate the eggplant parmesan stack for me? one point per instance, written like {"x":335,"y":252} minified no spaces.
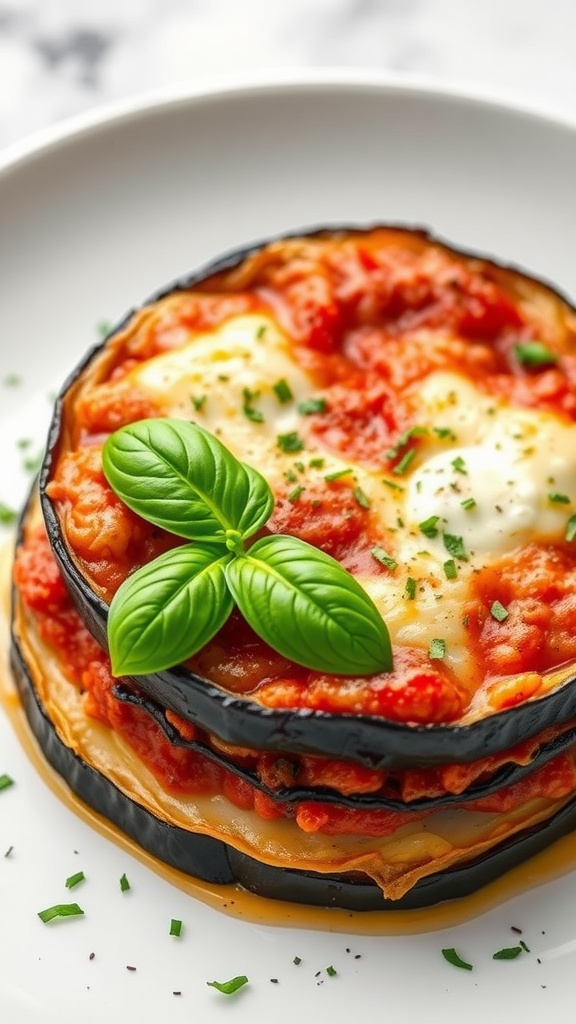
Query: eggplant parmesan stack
{"x":295,"y":605}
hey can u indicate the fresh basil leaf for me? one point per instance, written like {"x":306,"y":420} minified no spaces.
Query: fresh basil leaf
{"x":181,"y":478}
{"x":165,"y":611}
{"x":307,"y":607}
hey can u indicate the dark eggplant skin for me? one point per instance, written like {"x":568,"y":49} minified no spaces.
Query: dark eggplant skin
{"x":216,"y":862}
{"x":506,"y":775}
{"x":367,"y":740}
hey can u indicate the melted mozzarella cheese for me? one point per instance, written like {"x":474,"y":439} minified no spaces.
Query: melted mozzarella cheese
{"x":489,"y":476}
{"x":224,"y":379}
{"x":510,"y":483}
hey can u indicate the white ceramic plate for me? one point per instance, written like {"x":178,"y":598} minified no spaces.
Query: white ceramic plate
{"x":93,"y":221}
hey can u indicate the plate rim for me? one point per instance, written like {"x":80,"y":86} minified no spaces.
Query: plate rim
{"x":221,"y":87}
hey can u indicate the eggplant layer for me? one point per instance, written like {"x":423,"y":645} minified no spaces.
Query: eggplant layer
{"x":367,"y":740}
{"x":211,"y":839}
{"x":506,"y":775}
{"x":215,"y":861}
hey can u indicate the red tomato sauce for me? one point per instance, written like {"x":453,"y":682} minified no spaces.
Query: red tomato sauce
{"x":112,"y":540}
{"x":537,"y":587}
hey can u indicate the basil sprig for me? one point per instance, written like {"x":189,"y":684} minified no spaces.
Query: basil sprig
{"x":298,"y":599}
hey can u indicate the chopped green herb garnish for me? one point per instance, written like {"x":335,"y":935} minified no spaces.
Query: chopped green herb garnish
{"x":103,"y":328}
{"x":124,"y":884}
{"x":437,"y":649}
{"x":499,"y":612}
{"x":291,"y":442}
{"x":229,"y":987}
{"x":403,"y":440}
{"x":331,"y":971}
{"x":410,"y":588}
{"x":32,"y":465}
{"x":455,"y":546}
{"x":74,"y":880}
{"x":330,"y":477}
{"x":405,"y":462}
{"x":380,"y":555}
{"x":254,"y":415}
{"x":23,"y":443}
{"x":60,"y":910}
{"x":261,"y":331}
{"x":5,"y":782}
{"x":12,"y":380}
{"x":571,"y":528}
{"x":7,"y":515}
{"x":282,"y":390}
{"x":297,"y":960}
{"x":312,"y":405}
{"x":561,"y":499}
{"x":176,"y":927}
{"x":362,"y":498}
{"x":465,"y":621}
{"x":295,"y":494}
{"x":445,"y":433}
{"x":468,"y":504}
{"x":524,"y":946}
{"x":317,"y":463}
{"x":450,"y":569}
{"x":290,"y":476}
{"x":453,"y":958}
{"x":508,"y":953}
{"x":428,"y":527}
{"x":199,"y":402}
{"x":392,"y":485}
{"x":459,"y":465}
{"x":534,"y":353}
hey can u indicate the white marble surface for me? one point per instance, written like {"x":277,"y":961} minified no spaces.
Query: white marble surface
{"x":61,"y":57}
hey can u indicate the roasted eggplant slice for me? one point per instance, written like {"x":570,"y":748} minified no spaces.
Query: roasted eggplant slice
{"x":412,"y":408}
{"x":214,"y":861}
{"x":505,"y":775}
{"x":213,"y":840}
